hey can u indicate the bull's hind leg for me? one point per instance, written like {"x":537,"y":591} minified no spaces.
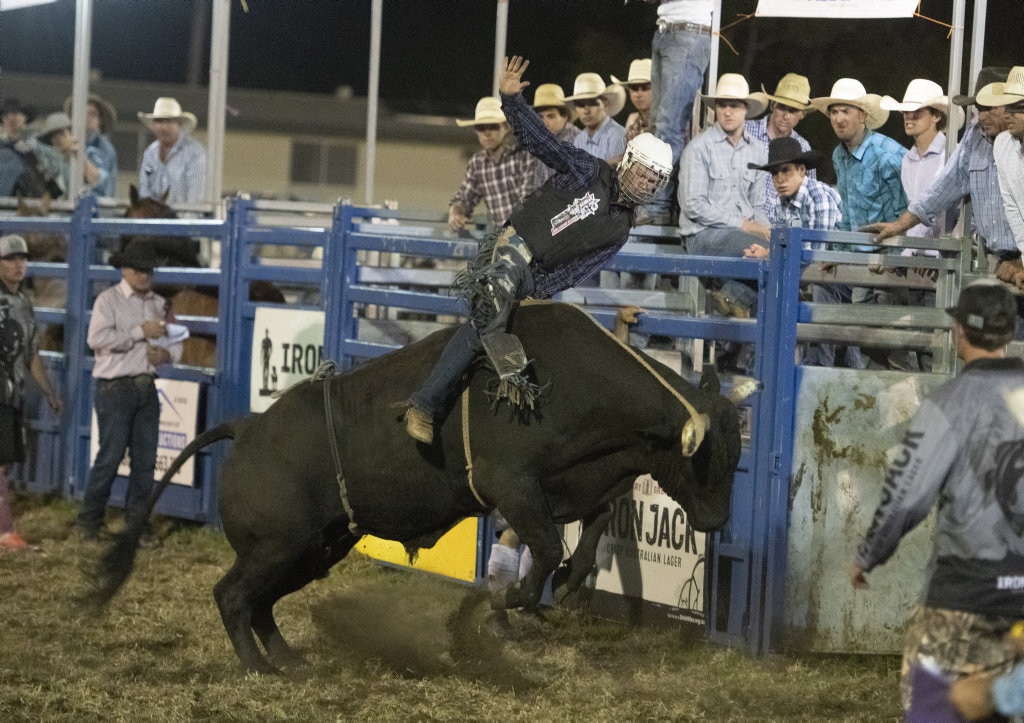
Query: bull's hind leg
{"x":247,"y":593}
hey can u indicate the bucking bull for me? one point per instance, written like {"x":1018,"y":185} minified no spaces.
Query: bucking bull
{"x":330,"y":461}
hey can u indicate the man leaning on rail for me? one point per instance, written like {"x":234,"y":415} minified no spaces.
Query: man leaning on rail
{"x":559,"y":235}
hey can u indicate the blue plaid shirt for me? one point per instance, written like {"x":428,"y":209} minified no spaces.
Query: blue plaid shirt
{"x":759,"y":129}
{"x":971,"y":170}
{"x":869,"y":181}
{"x":574,"y":170}
{"x":816,"y":205}
{"x":183,"y":174}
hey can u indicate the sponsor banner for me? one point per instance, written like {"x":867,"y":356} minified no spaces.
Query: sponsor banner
{"x":179,"y":410}
{"x":454,"y":555}
{"x":287,"y":347}
{"x":837,"y":9}
{"x":650,"y":551}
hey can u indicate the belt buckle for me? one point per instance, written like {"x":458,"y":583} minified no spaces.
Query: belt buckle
{"x":663,"y":25}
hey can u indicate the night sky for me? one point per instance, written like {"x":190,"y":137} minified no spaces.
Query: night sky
{"x":436,"y":54}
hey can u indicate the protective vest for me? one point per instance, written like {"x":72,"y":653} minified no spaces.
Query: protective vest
{"x":559,"y":224}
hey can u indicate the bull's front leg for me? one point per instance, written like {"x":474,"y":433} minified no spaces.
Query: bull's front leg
{"x":570,"y":576}
{"x":524,"y":507}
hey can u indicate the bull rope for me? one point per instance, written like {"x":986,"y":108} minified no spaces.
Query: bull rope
{"x":469,"y":455}
{"x":693,"y":430}
{"x":323,"y":374}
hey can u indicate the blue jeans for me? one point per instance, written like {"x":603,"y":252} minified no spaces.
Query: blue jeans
{"x":727,"y":242}
{"x":128,"y":418}
{"x":681,"y":55}
{"x":824,"y":355}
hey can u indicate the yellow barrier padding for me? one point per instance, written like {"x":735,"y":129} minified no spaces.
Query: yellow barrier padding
{"x":454,"y":555}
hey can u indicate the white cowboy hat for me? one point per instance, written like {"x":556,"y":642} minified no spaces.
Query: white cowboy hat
{"x":847,"y":91}
{"x":590,"y":85}
{"x":1008,"y":93}
{"x":923,"y":93}
{"x":793,"y":90}
{"x":166,"y":108}
{"x":639,"y":73}
{"x":488,"y":111}
{"x":551,"y":95}
{"x":733,"y":86}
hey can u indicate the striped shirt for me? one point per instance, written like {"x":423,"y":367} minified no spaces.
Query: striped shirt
{"x":574,"y":170}
{"x":716,"y":189}
{"x":816,"y":205}
{"x":869,"y":181}
{"x":971,"y":170}
{"x":1010,"y":165}
{"x":182,"y":175}
{"x":608,"y":141}
{"x":115,"y":332}
{"x":499,"y":184}
{"x":759,"y":129}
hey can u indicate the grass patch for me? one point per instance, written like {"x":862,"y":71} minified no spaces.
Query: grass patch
{"x":381,"y":645}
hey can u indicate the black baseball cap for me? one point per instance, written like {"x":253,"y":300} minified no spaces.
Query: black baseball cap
{"x":986,"y":306}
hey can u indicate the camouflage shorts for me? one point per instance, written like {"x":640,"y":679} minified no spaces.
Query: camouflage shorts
{"x":960,"y":643}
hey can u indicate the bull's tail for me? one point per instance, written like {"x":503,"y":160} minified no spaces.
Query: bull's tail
{"x":117,"y":562}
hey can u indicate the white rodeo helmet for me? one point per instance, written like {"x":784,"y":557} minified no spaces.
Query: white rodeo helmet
{"x":652,"y":153}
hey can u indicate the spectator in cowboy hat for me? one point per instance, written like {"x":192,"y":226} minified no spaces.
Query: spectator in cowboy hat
{"x":596,"y":106}
{"x":1006,"y":150}
{"x":558,"y":116}
{"x":100,"y":118}
{"x":56,"y":133}
{"x":27,"y":167}
{"x":638,"y":85}
{"x":786,"y":107}
{"x":501,"y":174}
{"x":175,"y":163}
{"x":970,"y":171}
{"x":721,"y":204}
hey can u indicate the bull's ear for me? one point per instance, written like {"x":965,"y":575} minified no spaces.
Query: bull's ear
{"x":658,"y":437}
{"x":709,"y":381}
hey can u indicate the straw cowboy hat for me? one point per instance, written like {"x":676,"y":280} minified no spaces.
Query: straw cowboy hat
{"x":793,"y":91}
{"x":551,"y":95}
{"x":1008,"y":93}
{"x":733,"y":86}
{"x":639,"y":73}
{"x":787,"y":150}
{"x":167,"y":108}
{"x":54,"y":122}
{"x":108,"y":116}
{"x":923,"y":93}
{"x":847,"y":91}
{"x":488,"y":111}
{"x":589,"y":86}
{"x":985,"y":76}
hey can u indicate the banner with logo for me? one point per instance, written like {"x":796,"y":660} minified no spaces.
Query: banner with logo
{"x":837,"y":9}
{"x":287,"y":347}
{"x":179,"y":410}
{"x":651,"y":552}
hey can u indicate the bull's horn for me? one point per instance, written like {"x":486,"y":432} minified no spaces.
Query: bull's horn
{"x":743,"y":387}
{"x":693,"y":433}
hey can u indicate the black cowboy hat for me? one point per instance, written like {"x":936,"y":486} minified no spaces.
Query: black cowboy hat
{"x":788,"y":150}
{"x":13,"y":105}
{"x":985,"y":76}
{"x":138,"y":255}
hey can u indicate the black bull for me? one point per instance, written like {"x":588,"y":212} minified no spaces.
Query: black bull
{"x":604,"y":421}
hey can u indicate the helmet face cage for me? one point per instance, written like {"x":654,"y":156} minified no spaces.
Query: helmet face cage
{"x":632,"y":180}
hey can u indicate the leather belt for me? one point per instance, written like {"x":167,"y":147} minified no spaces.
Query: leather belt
{"x":664,"y":26}
{"x":508,"y":236}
